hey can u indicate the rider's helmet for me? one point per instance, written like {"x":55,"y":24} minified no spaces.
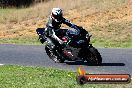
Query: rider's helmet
{"x":57,"y":14}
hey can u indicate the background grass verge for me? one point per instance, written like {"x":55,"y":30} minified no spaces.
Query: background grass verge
{"x":109,"y":21}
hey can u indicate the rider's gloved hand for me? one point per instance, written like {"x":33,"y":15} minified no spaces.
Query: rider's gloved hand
{"x":61,"y":42}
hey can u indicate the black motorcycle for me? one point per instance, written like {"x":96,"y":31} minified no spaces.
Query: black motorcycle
{"x":75,"y":47}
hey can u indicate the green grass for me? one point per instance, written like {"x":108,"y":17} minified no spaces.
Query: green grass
{"x":21,"y":40}
{"x":95,"y":41}
{"x":39,"y":77}
{"x":111,"y":44}
{"x":7,"y":10}
{"x":115,"y":35}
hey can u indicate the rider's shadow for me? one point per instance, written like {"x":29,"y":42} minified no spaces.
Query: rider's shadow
{"x":103,"y":64}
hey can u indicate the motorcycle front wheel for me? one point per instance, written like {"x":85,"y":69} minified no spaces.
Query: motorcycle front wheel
{"x":93,"y":56}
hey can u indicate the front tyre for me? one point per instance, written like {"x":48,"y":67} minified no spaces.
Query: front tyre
{"x":94,"y":57}
{"x":54,"y":55}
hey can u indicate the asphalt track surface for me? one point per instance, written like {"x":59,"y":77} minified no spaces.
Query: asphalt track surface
{"x":114,"y":60}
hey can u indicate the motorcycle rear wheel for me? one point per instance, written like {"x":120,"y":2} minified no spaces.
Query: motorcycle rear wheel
{"x":54,"y":55}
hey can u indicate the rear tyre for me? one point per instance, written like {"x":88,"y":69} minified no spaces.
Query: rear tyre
{"x":54,"y":55}
{"x":94,"y":57}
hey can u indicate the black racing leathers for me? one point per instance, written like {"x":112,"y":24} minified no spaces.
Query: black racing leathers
{"x":53,"y":27}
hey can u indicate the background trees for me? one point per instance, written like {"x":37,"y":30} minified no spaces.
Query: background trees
{"x":18,"y":3}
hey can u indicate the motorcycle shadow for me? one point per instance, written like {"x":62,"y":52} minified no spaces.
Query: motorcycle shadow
{"x":86,"y":64}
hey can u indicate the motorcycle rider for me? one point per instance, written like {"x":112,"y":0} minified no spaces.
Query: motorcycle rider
{"x":52,"y":31}
{"x":54,"y":23}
